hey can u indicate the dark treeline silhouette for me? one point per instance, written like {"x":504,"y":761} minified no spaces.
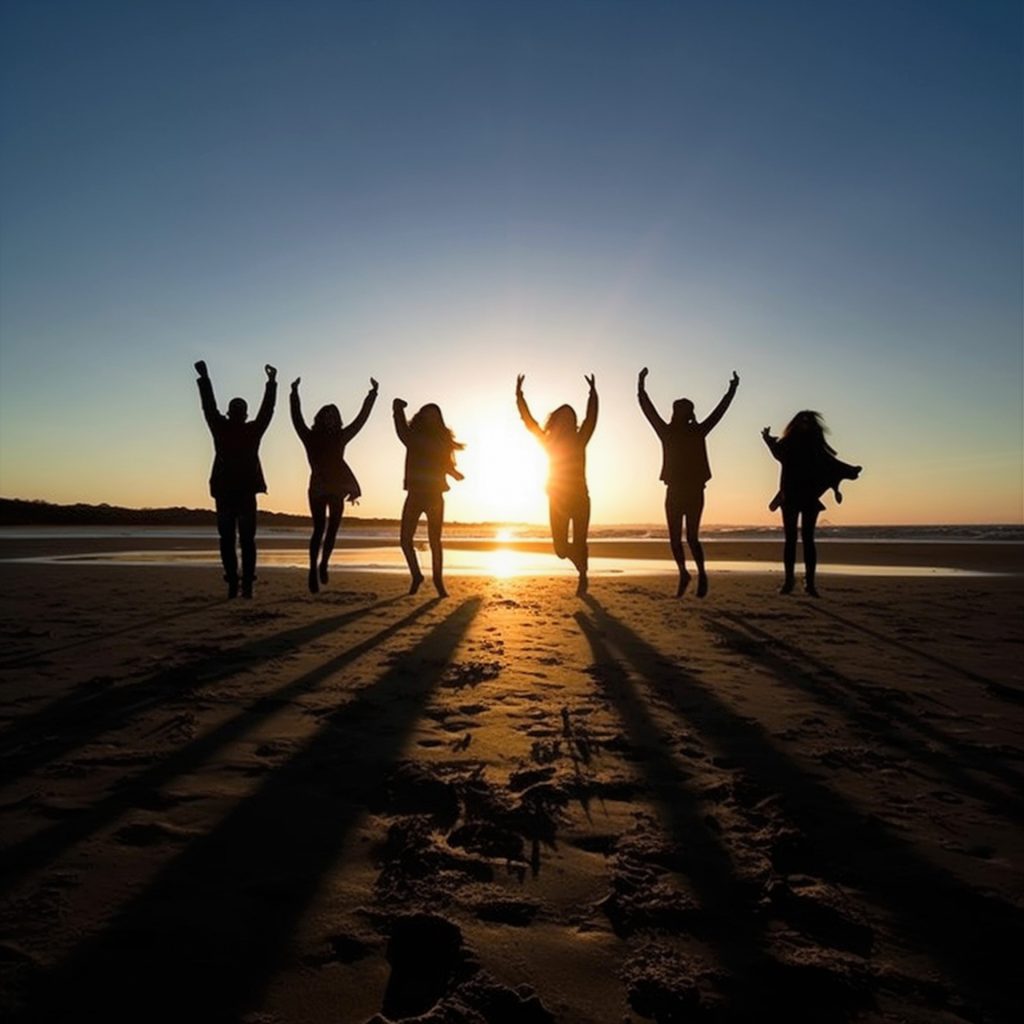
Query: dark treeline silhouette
{"x":809,"y":469}
{"x":568,"y":496}
{"x":685,"y":471}
{"x":331,"y":480}
{"x":429,"y":460}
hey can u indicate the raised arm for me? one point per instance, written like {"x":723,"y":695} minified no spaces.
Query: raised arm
{"x":206,"y":397}
{"x":269,"y":399}
{"x":401,"y":423}
{"x":590,"y":420}
{"x":647,"y":405}
{"x":719,"y":411}
{"x":772,"y":442}
{"x":364,"y":414}
{"x":524,"y":410}
{"x":296,"y":406}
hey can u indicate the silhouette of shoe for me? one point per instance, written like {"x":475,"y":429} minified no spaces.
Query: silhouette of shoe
{"x":702,"y":586}
{"x":232,"y":587}
{"x":323,"y":573}
{"x":787,"y":587}
{"x":247,"y":588}
{"x":314,"y":583}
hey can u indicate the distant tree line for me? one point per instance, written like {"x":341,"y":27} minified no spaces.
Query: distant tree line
{"x":19,"y":512}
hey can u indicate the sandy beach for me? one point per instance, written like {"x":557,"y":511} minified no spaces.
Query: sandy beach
{"x":513,"y":805}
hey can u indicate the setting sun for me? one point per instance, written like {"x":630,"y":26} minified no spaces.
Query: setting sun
{"x":505,"y":473}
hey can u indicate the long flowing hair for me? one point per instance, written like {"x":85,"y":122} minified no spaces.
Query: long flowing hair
{"x":561,"y":424}
{"x":429,"y":424}
{"x":808,"y":427}
{"x":327,"y":424}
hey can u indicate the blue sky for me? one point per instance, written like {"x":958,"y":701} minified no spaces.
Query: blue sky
{"x":825,"y":197}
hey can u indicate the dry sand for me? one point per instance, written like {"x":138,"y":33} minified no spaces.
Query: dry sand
{"x":512,"y":805}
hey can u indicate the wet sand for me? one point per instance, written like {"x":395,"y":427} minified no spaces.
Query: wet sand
{"x":510,"y":805}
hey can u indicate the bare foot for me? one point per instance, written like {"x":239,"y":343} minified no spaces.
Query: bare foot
{"x":702,"y":585}
{"x":583,"y":586}
{"x":314,"y":586}
{"x":684,"y":582}
{"x":417,"y":581}
{"x":787,"y":587}
{"x":323,"y":572}
{"x":439,"y":587}
{"x":811,"y":590}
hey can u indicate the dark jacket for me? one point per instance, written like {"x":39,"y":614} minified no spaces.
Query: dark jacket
{"x":429,"y":460}
{"x":684,"y":451}
{"x":330,"y":474}
{"x":808,"y":471}
{"x":236,"y":462}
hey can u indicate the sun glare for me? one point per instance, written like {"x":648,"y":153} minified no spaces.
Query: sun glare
{"x":505,"y":475}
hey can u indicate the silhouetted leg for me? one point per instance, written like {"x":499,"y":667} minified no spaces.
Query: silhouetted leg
{"x":334,"y":510}
{"x":674,"y":522}
{"x":789,"y":529}
{"x":318,"y":510}
{"x":558,"y":513}
{"x":694,"y":511}
{"x":808,"y":520}
{"x":410,"y":517}
{"x":247,"y":541}
{"x":227,"y":522}
{"x":579,"y":552}
{"x":435,"y":523}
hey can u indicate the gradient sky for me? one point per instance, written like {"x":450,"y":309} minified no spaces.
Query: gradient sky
{"x":825,"y":197}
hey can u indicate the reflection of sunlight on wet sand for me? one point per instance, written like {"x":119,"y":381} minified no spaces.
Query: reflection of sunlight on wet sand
{"x":500,"y":562}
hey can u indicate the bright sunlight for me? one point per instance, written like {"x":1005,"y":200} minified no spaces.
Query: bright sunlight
{"x":506,"y":471}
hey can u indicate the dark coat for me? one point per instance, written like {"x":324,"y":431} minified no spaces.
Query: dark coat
{"x":236,"y":468}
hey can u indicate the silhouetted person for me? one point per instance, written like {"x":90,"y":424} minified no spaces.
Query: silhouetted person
{"x":237,"y":477}
{"x":809,"y":468}
{"x":331,"y":480}
{"x":685,"y":470}
{"x":429,"y":460}
{"x":568,"y":497}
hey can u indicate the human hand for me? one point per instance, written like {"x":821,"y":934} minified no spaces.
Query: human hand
{"x":399,"y":403}
{"x":295,"y":384}
{"x":271,"y":372}
{"x":201,"y":368}
{"x":734,"y":380}
{"x":373,"y":384}
{"x":589,"y":380}
{"x":519,"y":383}
{"x":766,"y":433}
{"x":641,"y":379}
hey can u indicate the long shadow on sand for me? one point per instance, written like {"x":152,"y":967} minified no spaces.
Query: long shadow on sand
{"x":729,"y":921}
{"x":78,"y":718}
{"x":23,"y":660}
{"x":204,"y":939}
{"x":974,"y":937}
{"x":994,"y":687}
{"x":876,"y":717}
{"x":143,"y":788}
